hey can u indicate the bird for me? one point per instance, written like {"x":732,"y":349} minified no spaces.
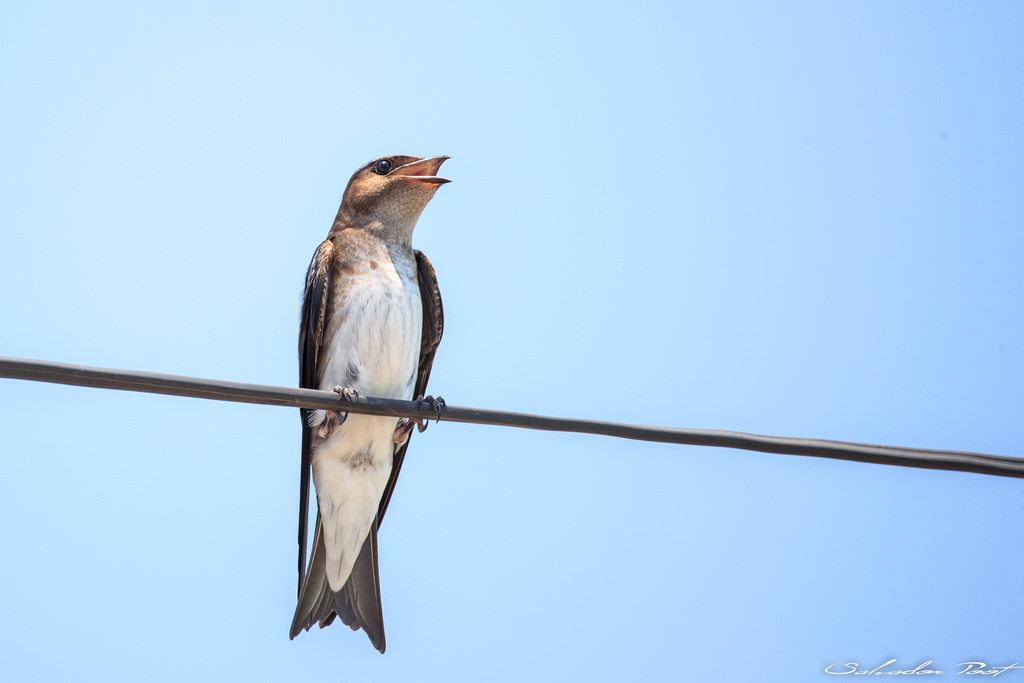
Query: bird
{"x":370,"y":325}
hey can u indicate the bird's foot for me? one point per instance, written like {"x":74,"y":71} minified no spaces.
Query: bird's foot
{"x":334,"y":418}
{"x":436,"y":403}
{"x":405,"y":425}
{"x":347,"y":393}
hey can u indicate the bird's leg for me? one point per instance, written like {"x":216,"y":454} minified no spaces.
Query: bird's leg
{"x":335,"y":419}
{"x":403,"y":430}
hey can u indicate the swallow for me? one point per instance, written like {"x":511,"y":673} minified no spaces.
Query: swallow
{"x":371,"y":324}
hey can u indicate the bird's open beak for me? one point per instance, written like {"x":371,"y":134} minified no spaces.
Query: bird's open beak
{"x":424,"y":170}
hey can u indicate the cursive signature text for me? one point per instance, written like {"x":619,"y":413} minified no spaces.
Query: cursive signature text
{"x":890,"y":668}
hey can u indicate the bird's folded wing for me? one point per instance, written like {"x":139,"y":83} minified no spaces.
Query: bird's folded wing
{"x":311,"y":333}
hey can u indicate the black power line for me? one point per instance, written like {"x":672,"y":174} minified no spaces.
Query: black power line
{"x":176,"y":385}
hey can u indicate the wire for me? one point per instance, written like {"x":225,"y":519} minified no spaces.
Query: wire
{"x":219,"y":390}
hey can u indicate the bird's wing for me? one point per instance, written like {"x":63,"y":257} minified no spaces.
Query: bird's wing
{"x":433,"y":326}
{"x":311,"y":333}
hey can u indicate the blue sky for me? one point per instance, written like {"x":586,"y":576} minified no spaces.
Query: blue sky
{"x":800,"y":219}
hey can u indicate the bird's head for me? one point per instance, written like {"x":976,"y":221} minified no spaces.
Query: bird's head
{"x":389,"y":193}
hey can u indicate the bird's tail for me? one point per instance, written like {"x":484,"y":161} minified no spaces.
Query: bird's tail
{"x":357,"y":603}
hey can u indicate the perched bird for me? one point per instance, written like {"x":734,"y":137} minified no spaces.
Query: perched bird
{"x":371,"y":322}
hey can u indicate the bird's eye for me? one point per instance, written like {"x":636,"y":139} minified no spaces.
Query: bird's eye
{"x":382,"y":167}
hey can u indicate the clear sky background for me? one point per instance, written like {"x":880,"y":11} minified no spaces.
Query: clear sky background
{"x":800,"y":219}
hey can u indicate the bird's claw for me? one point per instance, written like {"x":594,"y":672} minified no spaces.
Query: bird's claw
{"x":436,"y":403}
{"x":347,"y":394}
